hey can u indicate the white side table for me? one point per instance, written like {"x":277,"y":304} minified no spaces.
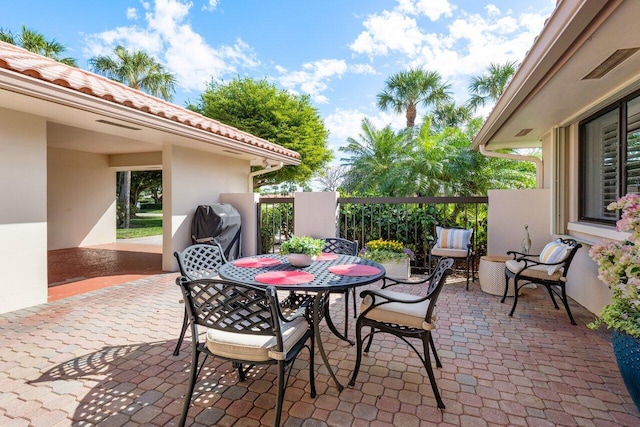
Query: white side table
{"x":491,"y":275}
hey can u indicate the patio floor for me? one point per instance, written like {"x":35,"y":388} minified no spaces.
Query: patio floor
{"x":105,"y":358}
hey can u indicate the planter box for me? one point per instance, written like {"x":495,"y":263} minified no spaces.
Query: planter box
{"x":398,"y":270}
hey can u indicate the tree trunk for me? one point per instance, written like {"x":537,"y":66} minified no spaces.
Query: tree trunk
{"x":126,"y":197}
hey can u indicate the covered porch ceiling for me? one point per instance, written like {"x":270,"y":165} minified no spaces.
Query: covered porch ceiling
{"x":87,"y":112}
{"x":552,"y":88}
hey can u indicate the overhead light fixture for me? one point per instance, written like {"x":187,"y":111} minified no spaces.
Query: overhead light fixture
{"x":615,"y":59}
{"x":523,"y":132}
{"x":107,"y":122}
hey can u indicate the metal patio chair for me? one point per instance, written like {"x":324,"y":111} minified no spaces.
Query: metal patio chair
{"x":200,"y":261}
{"x":244,"y":325}
{"x":404,"y":316}
{"x":335,"y":245}
{"x":548,"y":269}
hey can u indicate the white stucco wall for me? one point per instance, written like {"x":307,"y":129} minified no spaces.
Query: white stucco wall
{"x":82,"y":199}
{"x":315,"y":214}
{"x":23,"y":216}
{"x":509,"y":211}
{"x":247,"y":206}
{"x":191,"y":178}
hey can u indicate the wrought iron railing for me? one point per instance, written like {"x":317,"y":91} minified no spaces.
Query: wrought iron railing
{"x":411,"y":220}
{"x":275,"y":222}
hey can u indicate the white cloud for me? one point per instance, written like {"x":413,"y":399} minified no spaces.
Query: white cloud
{"x":313,"y":78}
{"x":132,"y":13}
{"x":389,"y":31}
{"x":362,"y":69}
{"x":466,"y":46}
{"x":211,"y":5}
{"x":433,"y":9}
{"x":168,"y":36}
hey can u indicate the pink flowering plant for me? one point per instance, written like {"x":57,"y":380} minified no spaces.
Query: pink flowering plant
{"x":619,"y":268}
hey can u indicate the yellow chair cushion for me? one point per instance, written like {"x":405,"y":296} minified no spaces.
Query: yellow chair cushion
{"x":453,"y":253}
{"x":535,"y":272}
{"x":405,"y":314}
{"x":255,"y":348}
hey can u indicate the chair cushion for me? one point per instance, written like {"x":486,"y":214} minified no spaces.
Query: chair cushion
{"x":453,"y":253}
{"x":453,"y":238}
{"x":255,"y":348}
{"x":411,"y":315}
{"x":554,"y":252}
{"x":535,"y":272}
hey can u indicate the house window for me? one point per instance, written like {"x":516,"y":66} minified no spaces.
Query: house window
{"x":609,"y":158}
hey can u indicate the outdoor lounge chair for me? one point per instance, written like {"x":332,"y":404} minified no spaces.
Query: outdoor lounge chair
{"x":245,"y":326}
{"x":405,"y":316}
{"x":200,"y":261}
{"x":548,"y":269}
{"x":455,"y":243}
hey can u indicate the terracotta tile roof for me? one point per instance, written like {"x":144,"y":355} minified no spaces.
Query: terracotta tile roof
{"x":39,"y":67}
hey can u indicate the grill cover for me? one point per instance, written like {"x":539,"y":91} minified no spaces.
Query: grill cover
{"x":218,"y":223}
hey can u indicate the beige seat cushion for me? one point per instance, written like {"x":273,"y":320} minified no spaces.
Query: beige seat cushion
{"x":453,"y":253}
{"x":255,"y":348}
{"x":535,"y":272}
{"x":405,"y":314}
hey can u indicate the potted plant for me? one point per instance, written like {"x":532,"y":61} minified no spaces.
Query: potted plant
{"x":619,"y":268}
{"x":301,"y":251}
{"x":392,"y":254}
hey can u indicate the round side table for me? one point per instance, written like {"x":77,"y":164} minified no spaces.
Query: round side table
{"x":491,"y":275}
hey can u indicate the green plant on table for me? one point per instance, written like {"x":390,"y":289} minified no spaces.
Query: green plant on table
{"x":302,"y":245}
{"x":386,"y":251}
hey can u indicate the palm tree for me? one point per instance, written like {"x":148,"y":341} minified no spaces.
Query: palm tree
{"x":136,"y":69}
{"x":406,"y":90}
{"x":449,"y":115}
{"x":489,"y":86}
{"x":35,"y":42}
{"x":374,"y":161}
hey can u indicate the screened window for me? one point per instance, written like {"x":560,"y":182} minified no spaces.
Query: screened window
{"x":609,"y":158}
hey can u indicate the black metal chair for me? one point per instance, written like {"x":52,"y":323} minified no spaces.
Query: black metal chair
{"x":335,"y":245}
{"x":245,"y":326}
{"x":548,"y":269}
{"x":200,"y":261}
{"x":454,"y":243}
{"x":404,"y":316}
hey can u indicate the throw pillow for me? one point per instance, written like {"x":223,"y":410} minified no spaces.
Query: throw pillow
{"x":453,"y":238}
{"x":554,"y":252}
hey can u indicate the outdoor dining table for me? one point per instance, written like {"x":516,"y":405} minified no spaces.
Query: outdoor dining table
{"x":329,"y":272}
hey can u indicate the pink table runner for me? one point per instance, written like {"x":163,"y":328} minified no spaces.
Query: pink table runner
{"x":256,"y":262}
{"x":354,"y":270}
{"x":326,"y":257}
{"x":285,"y":277}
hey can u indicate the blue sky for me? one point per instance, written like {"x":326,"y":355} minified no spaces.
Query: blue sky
{"x":339,"y":52}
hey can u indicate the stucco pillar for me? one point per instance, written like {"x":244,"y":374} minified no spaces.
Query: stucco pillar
{"x":247,"y":205}
{"x":315,"y":214}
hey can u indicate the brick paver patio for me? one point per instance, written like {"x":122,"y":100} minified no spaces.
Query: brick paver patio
{"x":105,"y":358}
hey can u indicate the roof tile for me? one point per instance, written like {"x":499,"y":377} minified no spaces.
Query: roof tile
{"x":21,"y":61}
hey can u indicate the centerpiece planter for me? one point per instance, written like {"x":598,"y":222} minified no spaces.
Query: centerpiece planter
{"x":619,"y":268}
{"x":301,"y":251}
{"x":392,"y":255}
{"x":300,"y":260}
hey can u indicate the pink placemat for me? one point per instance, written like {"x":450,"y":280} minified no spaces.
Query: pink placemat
{"x":326,"y":257}
{"x":354,"y":270}
{"x":256,"y":262}
{"x":285,"y":277}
